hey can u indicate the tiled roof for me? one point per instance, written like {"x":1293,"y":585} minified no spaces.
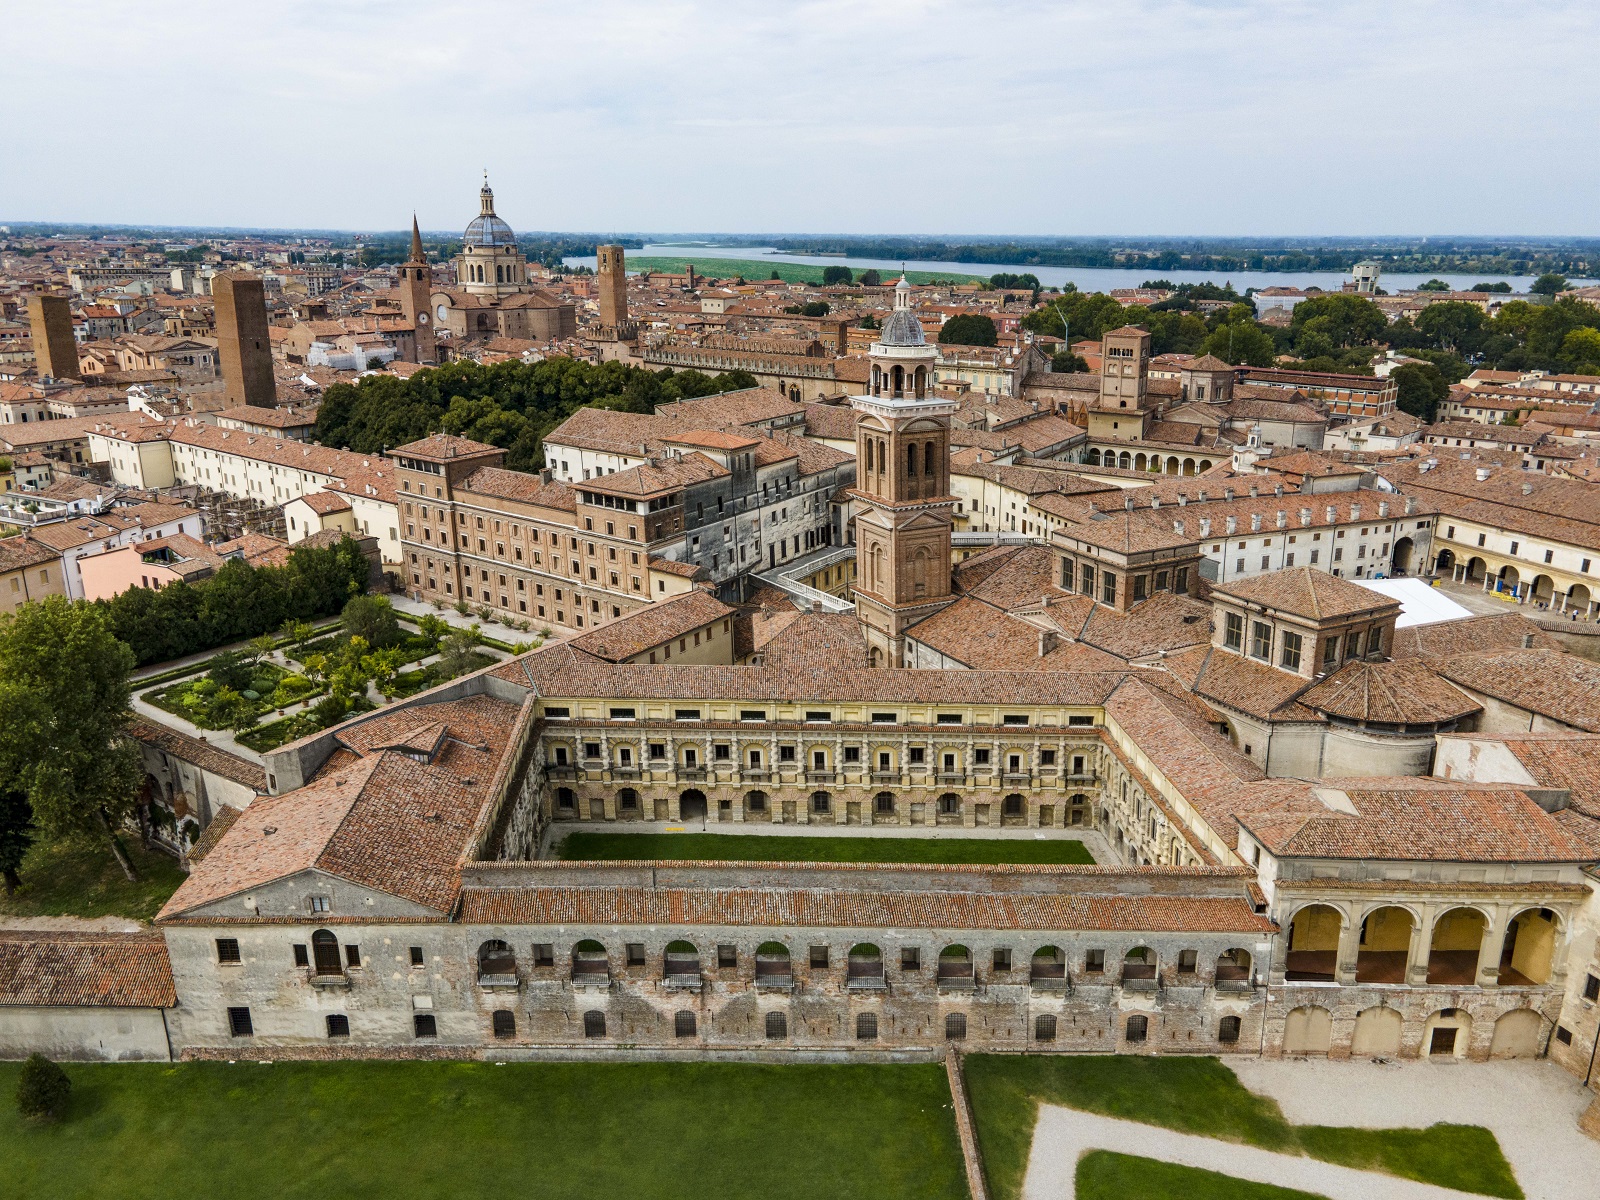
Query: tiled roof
{"x":813,"y":641}
{"x":96,"y":970}
{"x":1251,"y":687}
{"x":1405,"y":692}
{"x":1469,"y":635}
{"x":822,"y":908}
{"x":986,"y":638}
{"x":659,"y":475}
{"x":1307,"y":592}
{"x":200,"y":754}
{"x":520,"y":486}
{"x":445,"y":445}
{"x":648,"y":627}
{"x":1560,"y":686}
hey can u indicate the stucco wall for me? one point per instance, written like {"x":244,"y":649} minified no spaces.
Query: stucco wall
{"x":84,"y":1034}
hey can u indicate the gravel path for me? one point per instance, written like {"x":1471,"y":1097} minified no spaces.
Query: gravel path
{"x":1063,"y":1135}
{"x":1531,"y":1106}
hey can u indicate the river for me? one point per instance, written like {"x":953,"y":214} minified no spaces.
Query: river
{"x":1087,"y":279}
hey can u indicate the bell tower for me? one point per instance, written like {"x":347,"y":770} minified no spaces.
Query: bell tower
{"x":416,"y":297}
{"x":903,"y":485}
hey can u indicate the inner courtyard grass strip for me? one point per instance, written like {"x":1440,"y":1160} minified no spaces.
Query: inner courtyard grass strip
{"x":1202,"y":1096}
{"x":1106,"y":1175}
{"x":558,"y":1131}
{"x":738,"y":847}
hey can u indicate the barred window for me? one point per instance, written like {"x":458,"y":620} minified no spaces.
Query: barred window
{"x":594,"y":1024}
{"x":1044,"y":1028}
{"x":955,"y":1026}
{"x":867,"y":1027}
{"x":505,"y":1023}
{"x":683,"y":1023}
{"x":777,"y":1026}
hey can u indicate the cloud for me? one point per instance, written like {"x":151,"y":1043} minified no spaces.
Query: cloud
{"x":903,"y":116}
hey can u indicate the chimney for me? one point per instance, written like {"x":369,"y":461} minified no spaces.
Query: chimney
{"x":1411,"y":505}
{"x":1332,"y":514}
{"x":1155,"y":502}
{"x":1283,"y":519}
{"x":1383,"y":508}
{"x":1355,"y":512}
{"x":1255,"y":522}
{"x":1200,"y":496}
{"x":1047,"y":641}
{"x":546,"y":474}
{"x":1183,"y":498}
{"x":1277,"y":489}
{"x":816,"y":606}
{"x":1253,"y":492}
{"x":1177,"y":528}
{"x":1527,"y":489}
{"x":1127,"y":502}
{"x":1227,"y":493}
{"x":1482,"y":472}
{"x":1233,"y":525}
{"x":1305,"y":517}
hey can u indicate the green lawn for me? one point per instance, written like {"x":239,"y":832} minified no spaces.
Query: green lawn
{"x":1105,"y":1175}
{"x":85,"y":881}
{"x":1202,"y":1096}
{"x":755,"y":269}
{"x":742,"y":847}
{"x":398,"y":1131}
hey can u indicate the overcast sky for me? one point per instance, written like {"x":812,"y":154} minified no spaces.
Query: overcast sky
{"x":895,"y":116}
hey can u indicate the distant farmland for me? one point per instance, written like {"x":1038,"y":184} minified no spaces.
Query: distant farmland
{"x":761,"y":268}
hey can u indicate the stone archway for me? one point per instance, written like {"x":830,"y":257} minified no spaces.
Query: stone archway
{"x":1401,"y":562}
{"x":1377,"y":1032}
{"x":1308,"y":1030}
{"x":692,"y":805}
{"x":1516,"y":1034}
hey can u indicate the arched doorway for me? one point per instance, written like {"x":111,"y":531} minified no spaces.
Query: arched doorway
{"x":1477,"y":569}
{"x":1314,"y":944}
{"x":1544,"y":590}
{"x":1445,"y":562}
{"x":1385,"y":946}
{"x":1401,"y":563}
{"x":1188,"y":466}
{"x":1457,"y":943}
{"x":1172,"y":465}
{"x":1124,"y":461}
{"x":1579,"y":597}
{"x":1529,"y":948}
{"x":692,"y":805}
{"x":1377,"y":1031}
{"x":1308,"y":1030}
{"x":1094,"y":456}
{"x":1516,"y":1034}
{"x":1508,"y":578}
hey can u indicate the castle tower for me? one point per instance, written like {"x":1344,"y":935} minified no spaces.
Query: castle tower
{"x":613,"y":273}
{"x":903,"y":485}
{"x":490,"y":263}
{"x":243,"y":348}
{"x":416,"y":297}
{"x":55,"y":352}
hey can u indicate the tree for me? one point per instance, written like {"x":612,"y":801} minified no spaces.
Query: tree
{"x":1433,"y":285}
{"x":871,"y":278}
{"x":1005,"y":279}
{"x":869,"y":322}
{"x":817,"y":308}
{"x":16,"y":834}
{"x":372,"y":619}
{"x":1344,"y":319}
{"x":1452,"y":324}
{"x":1502,"y":286}
{"x":64,"y":707}
{"x":261,"y":646}
{"x":968,"y":329}
{"x":1581,"y":350}
{"x":433,"y":628}
{"x":1065,"y":362}
{"x":456,"y":652}
{"x":1549,"y":284}
{"x":1242,"y":342}
{"x":1421,"y":388}
{"x":836,"y":275}
{"x":298,"y":632}
{"x":42,"y":1088}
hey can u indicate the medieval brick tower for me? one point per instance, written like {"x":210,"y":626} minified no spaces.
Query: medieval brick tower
{"x":243,"y":348}
{"x":613,"y":273}
{"x":903,"y":484}
{"x":416,"y":290}
{"x":54,"y":349}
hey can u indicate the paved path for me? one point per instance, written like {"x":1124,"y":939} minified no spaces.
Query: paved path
{"x":1530,"y":1106}
{"x":1063,"y":1135}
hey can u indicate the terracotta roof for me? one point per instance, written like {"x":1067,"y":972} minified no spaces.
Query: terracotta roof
{"x":1307,"y":592}
{"x":200,"y":754}
{"x":1405,"y":692}
{"x":1470,"y":635}
{"x":445,"y":445}
{"x":1562,"y":687}
{"x":811,"y":641}
{"x":95,"y":970}
{"x":521,"y":486}
{"x":646,"y":628}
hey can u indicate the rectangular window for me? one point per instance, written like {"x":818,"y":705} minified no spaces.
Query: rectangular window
{"x":544,"y":954}
{"x":686,"y":714}
{"x":1094,"y":962}
{"x":727,"y":957}
{"x":338,"y":1025}
{"x":949,"y":718}
{"x":819,"y":958}
{"x":1180,"y":580}
{"x":910,"y":959}
{"x":1015,"y":719}
{"x":239,"y":1023}
{"x":1087,"y":576}
{"x":1563,"y":1035}
{"x":819,"y":718}
{"x":1233,"y":632}
{"x":635,"y":954}
{"x":980,"y":756}
{"x":1591,"y":988}
{"x":301,"y":958}
{"x":1108,"y":587}
{"x":1260,"y":640}
{"x":416,"y":956}
{"x":1002,"y":960}
{"x":1330,"y":652}
{"x":852,"y":754}
{"x":227,"y":950}
{"x":622,"y":714}
{"x":424,"y":1026}
{"x":352,"y":956}
{"x":1291,"y":651}
{"x":883,"y":718}
{"x":752,"y":714}
{"x":1140,"y":582}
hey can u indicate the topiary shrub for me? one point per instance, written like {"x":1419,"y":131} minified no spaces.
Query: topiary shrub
{"x":42,"y":1089}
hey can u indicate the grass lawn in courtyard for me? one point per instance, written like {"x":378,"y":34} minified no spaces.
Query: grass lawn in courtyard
{"x":742,"y":847}
{"x":1202,"y":1096}
{"x":84,"y":881}
{"x":1106,"y":1175}
{"x":398,"y":1131}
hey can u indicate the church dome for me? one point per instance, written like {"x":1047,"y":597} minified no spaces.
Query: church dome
{"x":486,"y":228}
{"x":902,"y":328}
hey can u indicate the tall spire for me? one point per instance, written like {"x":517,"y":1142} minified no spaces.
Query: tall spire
{"x":416,"y":241}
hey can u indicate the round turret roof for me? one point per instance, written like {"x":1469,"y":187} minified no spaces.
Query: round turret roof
{"x":488,"y":230}
{"x":902,"y":329}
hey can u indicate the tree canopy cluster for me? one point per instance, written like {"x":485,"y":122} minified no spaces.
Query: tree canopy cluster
{"x":510,"y":404}
{"x":238,"y":602}
{"x":968,"y":329}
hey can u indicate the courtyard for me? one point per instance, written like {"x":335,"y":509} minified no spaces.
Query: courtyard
{"x":1035,"y":850}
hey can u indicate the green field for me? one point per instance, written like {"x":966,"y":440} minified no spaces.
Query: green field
{"x":83,"y":880}
{"x":740,"y":847}
{"x":753,"y":269}
{"x":1106,"y":1175}
{"x":1202,"y":1096}
{"x":409,"y":1131}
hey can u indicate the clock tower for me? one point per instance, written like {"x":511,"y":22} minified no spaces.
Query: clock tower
{"x":416,"y":291}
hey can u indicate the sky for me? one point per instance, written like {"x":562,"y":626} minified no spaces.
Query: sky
{"x":1134,"y":117}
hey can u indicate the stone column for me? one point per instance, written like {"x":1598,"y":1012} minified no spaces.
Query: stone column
{"x":1421,"y":942}
{"x":1489,"y":951}
{"x":1344,"y":967}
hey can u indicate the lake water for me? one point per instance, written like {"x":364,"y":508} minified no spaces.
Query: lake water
{"x":1087,"y":279}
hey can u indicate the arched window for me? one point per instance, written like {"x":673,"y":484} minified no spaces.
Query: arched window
{"x":1048,"y":965}
{"x":1228,"y":1030}
{"x":325,"y":953}
{"x":867,"y":1027}
{"x":682,"y":959}
{"x":505,"y":1023}
{"x":594,"y":1024}
{"x":496,"y":958}
{"x":864,"y":964}
{"x":1044,"y":1028}
{"x":627,"y":800}
{"x":683,"y":1023}
{"x":955,"y":966}
{"x":590,"y":962}
{"x":930,"y":460}
{"x":1138,"y":1028}
{"x":955,"y":1026}
{"x":1012,"y":806}
{"x":777,"y":1026}
{"x":911,"y":460}
{"x":883,"y":804}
